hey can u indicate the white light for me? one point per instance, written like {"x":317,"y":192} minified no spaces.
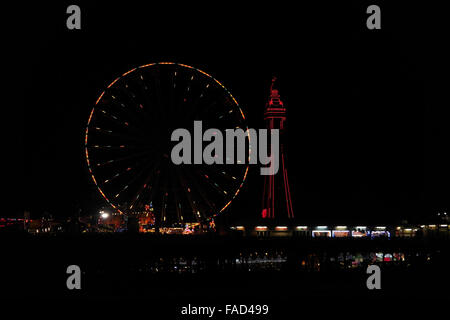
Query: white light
{"x":321,"y":227}
{"x":302,"y":228}
{"x":328,"y":232}
{"x":334,"y":232}
{"x":281,"y":228}
{"x":361,"y":227}
{"x":105,"y":215}
{"x":341,"y":227}
{"x":380,"y":228}
{"x":356,"y":235}
{"x":444,"y":225}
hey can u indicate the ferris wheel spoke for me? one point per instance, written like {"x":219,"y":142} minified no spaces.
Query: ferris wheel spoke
{"x":128,"y":169}
{"x":143,"y":170}
{"x":110,"y":179}
{"x":213,"y":184}
{"x":139,"y":174}
{"x":206,"y":104}
{"x":154,"y":189}
{"x":114,"y":134}
{"x":202,"y":193}
{"x":115,"y":148}
{"x":223,"y":172}
{"x":172,"y":87}
{"x":116,"y":120}
{"x":228,"y":175}
{"x":195,"y":113}
{"x":147,"y":92}
{"x":144,"y":185}
{"x":122,"y":190}
{"x":224,"y":114}
{"x":130,"y":156}
{"x":220,"y":173}
{"x":137,"y":198}
{"x":129,"y":93}
{"x":138,"y":106}
{"x":141,"y":200}
{"x":118,"y":152}
{"x":121,"y":105}
{"x":188,"y":193}
{"x":183,"y":100}
{"x":142,"y":83}
{"x":164,"y":201}
{"x":108,"y":115}
{"x":145,"y":104}
{"x":177,"y":203}
{"x":159,"y":101}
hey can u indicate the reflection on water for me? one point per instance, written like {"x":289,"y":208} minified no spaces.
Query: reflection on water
{"x":268,"y":260}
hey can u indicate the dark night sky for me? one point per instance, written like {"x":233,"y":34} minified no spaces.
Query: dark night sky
{"x":367,"y":128}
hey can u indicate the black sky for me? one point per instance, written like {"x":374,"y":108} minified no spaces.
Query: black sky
{"x":367,"y":129}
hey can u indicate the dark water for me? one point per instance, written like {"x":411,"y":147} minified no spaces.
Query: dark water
{"x":166,"y":273}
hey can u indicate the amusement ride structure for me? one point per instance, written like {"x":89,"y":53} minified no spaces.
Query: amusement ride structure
{"x":128,"y":143}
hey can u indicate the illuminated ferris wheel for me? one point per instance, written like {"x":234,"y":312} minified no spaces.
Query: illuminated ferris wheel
{"x":128,"y":143}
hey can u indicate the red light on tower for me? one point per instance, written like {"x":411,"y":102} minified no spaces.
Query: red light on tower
{"x":277,"y":185}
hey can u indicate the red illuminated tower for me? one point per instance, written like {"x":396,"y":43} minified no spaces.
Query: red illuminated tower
{"x":276,"y":195}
